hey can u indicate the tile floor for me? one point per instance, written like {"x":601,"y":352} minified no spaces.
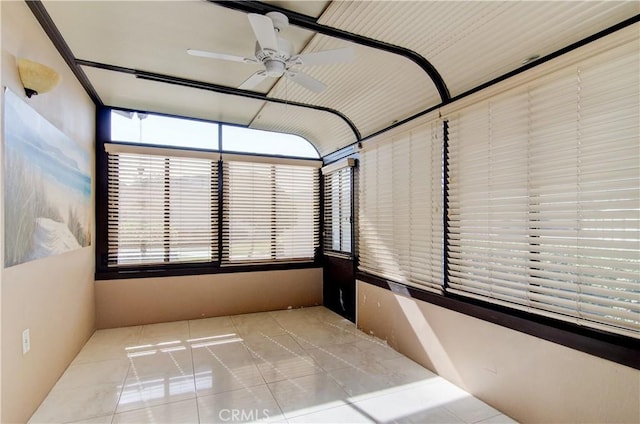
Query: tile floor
{"x":298,"y":366}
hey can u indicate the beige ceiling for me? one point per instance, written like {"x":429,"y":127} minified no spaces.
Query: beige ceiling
{"x":468,"y":43}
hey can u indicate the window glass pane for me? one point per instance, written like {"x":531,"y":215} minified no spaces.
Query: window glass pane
{"x":271,"y":212}
{"x":136,"y":214}
{"x":238,"y":139}
{"x":161,"y":209}
{"x":295,"y":212}
{"x":192,"y":210}
{"x":337,"y":211}
{"x":249,"y":202}
{"x":163,"y":130}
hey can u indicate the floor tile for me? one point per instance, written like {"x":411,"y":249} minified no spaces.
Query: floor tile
{"x":105,"y":419}
{"x":163,"y":360}
{"x":108,"y":344}
{"x":77,"y":403}
{"x":436,"y":415}
{"x":212,"y":327}
{"x":470,"y":409}
{"x":304,"y":395}
{"x":165,"y":332}
{"x":184,"y":412}
{"x":361,"y":383}
{"x":346,"y":355}
{"x":498,"y":419}
{"x":93,"y":373}
{"x":265,"y":347}
{"x":315,"y":335}
{"x":402,"y":405}
{"x":222,"y":368}
{"x":310,"y":314}
{"x":260,"y":323}
{"x":224,"y":349}
{"x":341,"y":414}
{"x":120,"y":336}
{"x":157,"y":390}
{"x":288,"y":368}
{"x":251,"y":404}
{"x":403,"y":370}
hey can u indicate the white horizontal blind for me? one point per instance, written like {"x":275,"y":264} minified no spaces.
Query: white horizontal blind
{"x":544,"y":196}
{"x":400,"y":208}
{"x":337,"y":210}
{"x":271,"y":212}
{"x":161,"y":209}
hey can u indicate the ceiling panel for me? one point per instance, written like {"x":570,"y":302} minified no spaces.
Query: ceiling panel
{"x":154,"y":36}
{"x":472,"y":42}
{"x":127,"y":91}
{"x":374,"y":90}
{"x":327,"y":131}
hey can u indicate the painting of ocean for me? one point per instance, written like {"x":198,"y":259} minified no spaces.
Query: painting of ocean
{"x":47,"y":187}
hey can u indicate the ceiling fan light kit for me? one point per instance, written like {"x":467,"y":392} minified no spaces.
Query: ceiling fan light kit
{"x":275,"y":53}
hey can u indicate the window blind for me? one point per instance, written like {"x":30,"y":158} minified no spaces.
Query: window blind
{"x":544,"y":196}
{"x":271,"y":212}
{"x":337,"y":209}
{"x":400,"y":207}
{"x":161,"y":209}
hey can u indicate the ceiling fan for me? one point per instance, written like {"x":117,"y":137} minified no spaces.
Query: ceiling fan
{"x":276,"y":56}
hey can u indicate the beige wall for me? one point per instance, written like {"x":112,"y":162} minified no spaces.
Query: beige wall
{"x":529,"y":379}
{"x":149,"y":300}
{"x":53,"y":297}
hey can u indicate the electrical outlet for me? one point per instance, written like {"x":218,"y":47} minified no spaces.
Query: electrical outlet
{"x":26,"y":341}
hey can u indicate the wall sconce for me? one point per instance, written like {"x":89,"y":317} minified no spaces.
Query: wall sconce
{"x":36,"y":78}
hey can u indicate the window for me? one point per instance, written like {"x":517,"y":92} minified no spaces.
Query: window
{"x":144,"y":128}
{"x":544,"y":202}
{"x":246,"y":140}
{"x":270,"y":212}
{"x":400,"y":207}
{"x":161,"y":208}
{"x":338,"y":216}
{"x":170,"y":208}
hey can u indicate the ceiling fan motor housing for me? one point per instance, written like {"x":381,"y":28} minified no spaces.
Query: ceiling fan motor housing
{"x":275,"y":62}
{"x":274,"y":68}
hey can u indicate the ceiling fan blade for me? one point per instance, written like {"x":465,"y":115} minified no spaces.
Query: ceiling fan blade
{"x":223,"y":56}
{"x":253,"y":80}
{"x":306,"y":81}
{"x":263,"y":29}
{"x":325,"y":57}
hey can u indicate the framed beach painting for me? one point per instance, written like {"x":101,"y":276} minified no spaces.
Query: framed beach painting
{"x":47,"y":187}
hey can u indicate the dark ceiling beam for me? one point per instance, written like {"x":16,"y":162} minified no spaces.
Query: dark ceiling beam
{"x":41,"y":14}
{"x":311,"y":23}
{"x":184,"y":82}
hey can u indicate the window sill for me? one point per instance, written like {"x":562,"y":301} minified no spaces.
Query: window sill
{"x":195,"y":269}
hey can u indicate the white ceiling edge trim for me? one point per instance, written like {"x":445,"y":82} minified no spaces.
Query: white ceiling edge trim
{"x":277,"y":160}
{"x":137,"y":149}
{"x":611,"y":41}
{"x":344,"y":163}
{"x":121,"y":148}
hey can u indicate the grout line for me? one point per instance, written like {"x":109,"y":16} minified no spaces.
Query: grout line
{"x":193,"y":369}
